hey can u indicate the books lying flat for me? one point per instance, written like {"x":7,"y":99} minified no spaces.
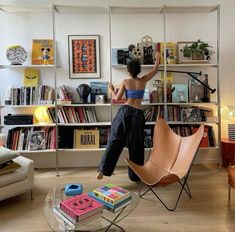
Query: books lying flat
{"x":70,"y":221}
{"x":81,"y":207}
{"x":111,"y":194}
{"x":110,"y":207}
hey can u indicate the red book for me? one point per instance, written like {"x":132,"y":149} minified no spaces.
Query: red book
{"x":205,"y":139}
{"x":81,"y":207}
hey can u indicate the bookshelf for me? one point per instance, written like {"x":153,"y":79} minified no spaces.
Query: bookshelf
{"x":13,"y":19}
{"x":175,"y":24}
{"x":107,"y":22}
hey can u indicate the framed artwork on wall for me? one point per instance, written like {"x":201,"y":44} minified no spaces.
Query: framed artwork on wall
{"x":84,"y":56}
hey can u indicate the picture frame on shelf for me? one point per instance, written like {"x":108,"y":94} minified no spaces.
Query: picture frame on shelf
{"x":187,"y":60}
{"x":37,"y":140}
{"x":84,"y":56}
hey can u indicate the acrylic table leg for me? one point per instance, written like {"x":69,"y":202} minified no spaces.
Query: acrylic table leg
{"x":112,"y":223}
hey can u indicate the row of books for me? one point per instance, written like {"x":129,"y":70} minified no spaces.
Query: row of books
{"x":84,"y":208}
{"x":187,"y":114}
{"x":63,"y":94}
{"x":68,"y":114}
{"x":34,"y":138}
{"x":152,"y":113}
{"x":208,"y":139}
{"x":32,"y":95}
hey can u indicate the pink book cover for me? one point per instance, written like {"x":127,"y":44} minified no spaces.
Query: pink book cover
{"x":81,"y":207}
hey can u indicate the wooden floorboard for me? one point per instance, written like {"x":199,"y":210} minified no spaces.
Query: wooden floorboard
{"x":208,"y":210}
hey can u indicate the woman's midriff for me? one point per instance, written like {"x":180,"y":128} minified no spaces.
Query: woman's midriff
{"x":135,"y":103}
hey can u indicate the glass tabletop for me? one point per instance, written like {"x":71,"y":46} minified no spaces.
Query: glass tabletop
{"x":107,"y":219}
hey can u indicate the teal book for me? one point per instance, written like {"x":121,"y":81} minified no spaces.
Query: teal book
{"x":180,"y":93}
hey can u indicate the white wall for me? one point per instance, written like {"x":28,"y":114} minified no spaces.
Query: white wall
{"x":124,"y":31}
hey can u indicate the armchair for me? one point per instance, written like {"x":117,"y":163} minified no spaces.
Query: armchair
{"x":231,"y":180}
{"x":170,"y":160}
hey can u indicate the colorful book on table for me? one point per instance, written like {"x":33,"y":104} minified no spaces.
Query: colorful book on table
{"x":81,"y":207}
{"x":111,"y":207}
{"x":111,"y":194}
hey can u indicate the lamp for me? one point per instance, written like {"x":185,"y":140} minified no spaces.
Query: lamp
{"x":228,"y":114}
{"x":41,"y":115}
{"x":192,"y":74}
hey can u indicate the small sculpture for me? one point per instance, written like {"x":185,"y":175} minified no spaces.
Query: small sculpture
{"x":16,"y":55}
{"x":83,"y":91}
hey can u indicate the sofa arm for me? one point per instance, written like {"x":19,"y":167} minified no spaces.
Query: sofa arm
{"x":27,"y":165}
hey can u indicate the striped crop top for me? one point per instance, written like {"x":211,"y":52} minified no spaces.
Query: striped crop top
{"x":133,"y":93}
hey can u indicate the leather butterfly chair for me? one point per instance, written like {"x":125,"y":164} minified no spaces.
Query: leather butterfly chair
{"x":170,"y":160}
{"x":231,"y":180}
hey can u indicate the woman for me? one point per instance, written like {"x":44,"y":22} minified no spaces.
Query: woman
{"x":128,"y":125}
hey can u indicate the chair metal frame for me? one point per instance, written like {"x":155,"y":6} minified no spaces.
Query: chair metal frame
{"x":184,"y":186}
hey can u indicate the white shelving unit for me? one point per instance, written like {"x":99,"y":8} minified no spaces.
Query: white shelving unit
{"x":176,"y":21}
{"x":19,"y":21}
{"x":117,"y":27}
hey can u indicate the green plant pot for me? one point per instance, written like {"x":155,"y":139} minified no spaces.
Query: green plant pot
{"x":198,"y":56}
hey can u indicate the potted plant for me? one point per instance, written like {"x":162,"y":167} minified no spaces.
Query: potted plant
{"x":197,"y":50}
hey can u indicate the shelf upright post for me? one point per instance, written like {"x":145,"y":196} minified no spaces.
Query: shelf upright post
{"x":110,"y":58}
{"x":164,"y":65}
{"x":218,"y":85}
{"x":55,"y":86}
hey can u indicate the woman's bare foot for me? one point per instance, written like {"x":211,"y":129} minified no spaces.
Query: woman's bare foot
{"x":100,"y":176}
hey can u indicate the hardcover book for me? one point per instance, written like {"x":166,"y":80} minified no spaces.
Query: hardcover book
{"x":170,"y":51}
{"x":191,"y":115}
{"x":31,"y":77}
{"x":81,"y":207}
{"x":42,"y":52}
{"x":111,"y":194}
{"x":86,"y":139}
{"x":205,"y":139}
{"x":110,"y":207}
{"x":147,"y":137}
{"x":70,"y":221}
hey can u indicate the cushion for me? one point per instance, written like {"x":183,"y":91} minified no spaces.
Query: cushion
{"x":7,"y":155}
{"x":9,"y":167}
{"x":12,"y":177}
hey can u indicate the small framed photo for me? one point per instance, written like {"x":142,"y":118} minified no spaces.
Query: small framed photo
{"x":181,"y":57}
{"x":84,"y":56}
{"x":37,"y":141}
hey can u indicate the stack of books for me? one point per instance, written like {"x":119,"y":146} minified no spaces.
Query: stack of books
{"x":112,"y":197}
{"x":78,"y":210}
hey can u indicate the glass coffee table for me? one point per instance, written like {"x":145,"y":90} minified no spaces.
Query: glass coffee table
{"x":104,"y":223}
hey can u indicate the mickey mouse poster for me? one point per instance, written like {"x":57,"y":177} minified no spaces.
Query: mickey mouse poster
{"x":42,"y":52}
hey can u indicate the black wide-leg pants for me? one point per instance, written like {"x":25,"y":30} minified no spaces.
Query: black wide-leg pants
{"x":127,"y":129}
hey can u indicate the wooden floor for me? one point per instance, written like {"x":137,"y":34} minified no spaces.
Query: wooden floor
{"x":208,"y":210}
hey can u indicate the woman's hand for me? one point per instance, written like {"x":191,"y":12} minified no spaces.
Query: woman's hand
{"x":111,"y":87}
